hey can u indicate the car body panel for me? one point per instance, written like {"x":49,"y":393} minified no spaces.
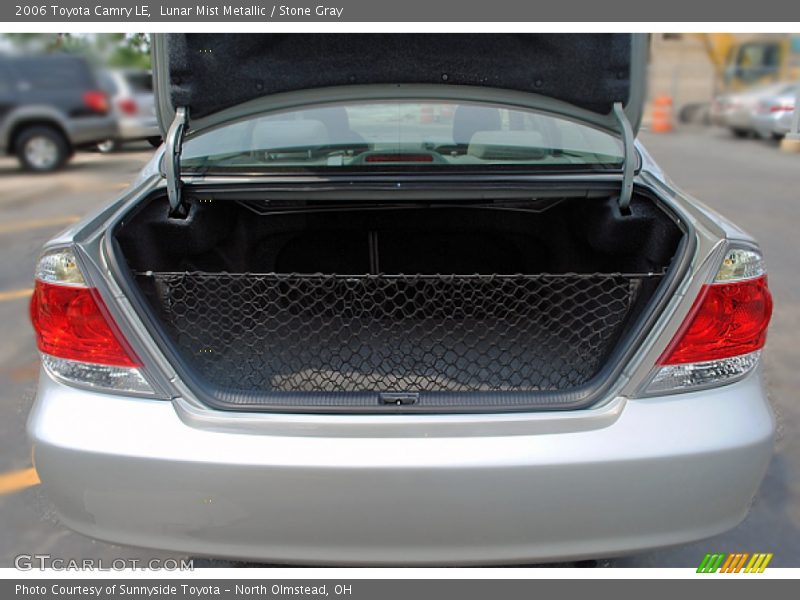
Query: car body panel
{"x":660,"y":471}
{"x":768,"y":125}
{"x":82,"y":131}
{"x":769,"y":122}
{"x":24,"y":102}
{"x":783,"y":124}
{"x":738,"y":111}
{"x":143,"y":123}
{"x":89,"y":130}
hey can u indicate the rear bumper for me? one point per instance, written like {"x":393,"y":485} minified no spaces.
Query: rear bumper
{"x":138,"y":128}
{"x":649,"y":473}
{"x":783,"y":124}
{"x":90,"y":130}
{"x":765,"y":125}
{"x":740,"y":119}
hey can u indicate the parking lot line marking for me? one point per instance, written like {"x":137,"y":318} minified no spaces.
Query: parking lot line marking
{"x":15,"y":294}
{"x":17,"y":226}
{"x":15,"y":481}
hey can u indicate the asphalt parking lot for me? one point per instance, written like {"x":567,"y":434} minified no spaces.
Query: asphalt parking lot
{"x":749,"y":181}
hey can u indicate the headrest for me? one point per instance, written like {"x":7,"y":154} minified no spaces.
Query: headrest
{"x":469,"y":119}
{"x":268,"y":134}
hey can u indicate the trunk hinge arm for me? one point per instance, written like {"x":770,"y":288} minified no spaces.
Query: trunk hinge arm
{"x":629,"y":160}
{"x":172,"y":166}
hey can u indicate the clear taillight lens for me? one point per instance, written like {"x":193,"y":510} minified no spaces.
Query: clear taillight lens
{"x":740,"y":264}
{"x":721,"y":338}
{"x":97,"y":377}
{"x":78,"y":339}
{"x":674,"y":378}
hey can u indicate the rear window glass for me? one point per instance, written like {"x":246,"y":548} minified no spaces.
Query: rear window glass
{"x":403,"y":134}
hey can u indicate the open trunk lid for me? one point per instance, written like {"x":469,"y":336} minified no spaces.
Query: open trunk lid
{"x":209,"y":74}
{"x":205,"y":80}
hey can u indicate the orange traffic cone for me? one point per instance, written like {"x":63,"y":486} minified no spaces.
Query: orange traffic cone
{"x":662,"y":115}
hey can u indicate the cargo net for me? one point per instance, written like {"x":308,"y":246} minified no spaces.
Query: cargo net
{"x":410,"y":333}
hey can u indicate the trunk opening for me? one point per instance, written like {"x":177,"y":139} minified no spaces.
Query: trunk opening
{"x":328,"y":305}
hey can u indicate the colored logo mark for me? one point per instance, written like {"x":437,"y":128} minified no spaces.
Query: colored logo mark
{"x":739,"y":562}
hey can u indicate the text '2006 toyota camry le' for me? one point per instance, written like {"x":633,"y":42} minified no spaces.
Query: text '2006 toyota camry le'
{"x":401,"y":299}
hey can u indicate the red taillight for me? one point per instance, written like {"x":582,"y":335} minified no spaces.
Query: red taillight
{"x":96,"y":101}
{"x":127,"y":106}
{"x":73,"y":323}
{"x":782,"y":108}
{"x":727,"y":319}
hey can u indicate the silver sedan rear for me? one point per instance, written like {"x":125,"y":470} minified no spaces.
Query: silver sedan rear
{"x":773,"y":116}
{"x":635,"y":471}
{"x":737,"y":111}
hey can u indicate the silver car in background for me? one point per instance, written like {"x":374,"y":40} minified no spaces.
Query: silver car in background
{"x":401,"y":299}
{"x":132,"y":102}
{"x":737,"y":110}
{"x":773,"y":115}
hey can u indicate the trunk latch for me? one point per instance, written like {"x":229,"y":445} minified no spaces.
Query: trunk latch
{"x":398,"y":398}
